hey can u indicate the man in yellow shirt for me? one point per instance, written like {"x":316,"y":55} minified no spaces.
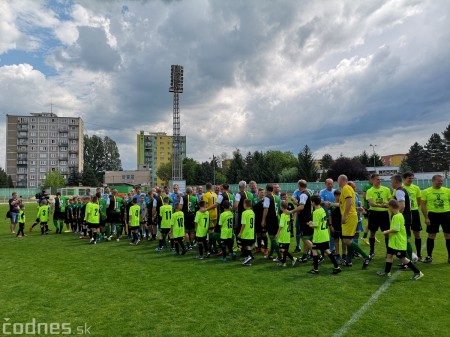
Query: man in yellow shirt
{"x":210,"y":198}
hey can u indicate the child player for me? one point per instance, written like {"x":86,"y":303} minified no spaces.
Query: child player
{"x":201,"y":229}
{"x":20,"y":233}
{"x":247,"y":232}
{"x":397,"y":243}
{"x":226,"y":223}
{"x":134,"y":220}
{"x":42,"y":217}
{"x":92,"y":217}
{"x":165,"y":214}
{"x":283,"y":236}
{"x":177,"y":229}
{"x":321,"y":236}
{"x":335,"y":219}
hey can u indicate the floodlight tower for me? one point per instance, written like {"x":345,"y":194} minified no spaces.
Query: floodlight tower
{"x":176,"y":86}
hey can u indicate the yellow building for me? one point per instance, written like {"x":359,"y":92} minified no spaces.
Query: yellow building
{"x":393,"y":159}
{"x":155,"y":149}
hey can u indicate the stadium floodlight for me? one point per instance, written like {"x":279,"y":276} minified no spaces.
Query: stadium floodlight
{"x":373,"y":148}
{"x":176,"y":86}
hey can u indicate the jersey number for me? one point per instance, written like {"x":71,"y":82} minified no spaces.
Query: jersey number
{"x":251,"y":222}
{"x":230,"y":223}
{"x":136,"y":214}
{"x":180,"y":222}
{"x":43,"y":212}
{"x":206,"y":221}
{"x":324,"y":224}
{"x":168,"y":215}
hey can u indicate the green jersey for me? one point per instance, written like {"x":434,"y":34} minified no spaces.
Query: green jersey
{"x":22,"y":217}
{"x":248,"y":220}
{"x":62,"y":204}
{"x":414,"y":193}
{"x":320,"y":223}
{"x":366,"y":187}
{"x":93,"y":213}
{"x":118,"y":202}
{"x":177,"y":224}
{"x":43,"y":213}
{"x":226,"y":222}
{"x":202,"y":221}
{"x":398,"y":239}
{"x":284,"y":236}
{"x":378,"y":195}
{"x":102,"y":205}
{"x":437,"y":200}
{"x":192,"y":203}
{"x":135,"y":215}
{"x":165,"y":212}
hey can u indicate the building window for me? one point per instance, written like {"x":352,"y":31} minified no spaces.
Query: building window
{"x":73,"y":162}
{"x":42,"y":169}
{"x":53,"y":162}
{"x":33,"y":127}
{"x":32,"y":184}
{"x":42,"y":176}
{"x":73,"y":121}
{"x":32,"y":162}
{"x":132,"y":176}
{"x":32,"y":169}
{"x":42,"y":127}
{"x":43,"y":120}
{"x":42,"y":141}
{"x":42,"y":148}
{"x":123,"y":176}
{"x":42,"y":162}
{"x":52,"y":141}
{"x":33,"y":141}
{"x":33,"y":120}
{"x":33,"y":134}
{"x":53,"y":148}
{"x":32,"y":177}
{"x":44,"y":134}
{"x":33,"y":155}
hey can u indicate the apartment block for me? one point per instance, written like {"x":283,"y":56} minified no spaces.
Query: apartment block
{"x":154,"y":149}
{"x":41,"y":143}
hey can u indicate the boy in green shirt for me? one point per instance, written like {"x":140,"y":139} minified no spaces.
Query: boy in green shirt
{"x":397,"y":243}
{"x":226,"y":223}
{"x":201,"y":229}
{"x":134,"y":220}
{"x":92,"y":218}
{"x":177,"y":229}
{"x":247,"y":232}
{"x":42,"y":217}
{"x":165,"y":214}
{"x":20,"y":232}
{"x":283,"y":236}
{"x":321,"y":236}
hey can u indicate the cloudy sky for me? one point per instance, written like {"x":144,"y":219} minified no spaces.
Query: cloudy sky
{"x":259,"y":75}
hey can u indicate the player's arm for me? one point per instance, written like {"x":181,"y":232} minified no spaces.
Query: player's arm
{"x":423,"y":207}
{"x":278,"y":232}
{"x":237,"y":198}
{"x":243,"y":221}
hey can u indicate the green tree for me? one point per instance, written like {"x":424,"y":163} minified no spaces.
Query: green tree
{"x":326,"y":161}
{"x":190,"y":168}
{"x":10,"y":182}
{"x":74,"y":178}
{"x":234,"y":173}
{"x":378,"y":160}
{"x":288,"y":175}
{"x":446,"y":139}
{"x":364,"y":159}
{"x":352,"y":168}
{"x":275,"y":162}
{"x":415,"y":158}
{"x":3,"y":178}
{"x":435,"y":150}
{"x":101,"y":154}
{"x":307,"y":168}
{"x":404,"y":167}
{"x":164,"y":172}
{"x":53,"y":179}
{"x":88,"y":177}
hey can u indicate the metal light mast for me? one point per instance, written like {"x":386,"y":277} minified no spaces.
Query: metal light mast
{"x":176,"y":86}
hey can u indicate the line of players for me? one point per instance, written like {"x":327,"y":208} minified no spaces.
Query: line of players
{"x":267,"y":224}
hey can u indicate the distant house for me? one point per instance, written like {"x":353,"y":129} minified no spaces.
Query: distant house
{"x":393,"y":159}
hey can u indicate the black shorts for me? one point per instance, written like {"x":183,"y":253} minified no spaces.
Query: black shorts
{"x":366,"y":215}
{"x":272,"y":230}
{"x":134,"y":228}
{"x":337,"y":235}
{"x":164,"y":230}
{"x":189,"y":221}
{"x":323,"y":246}
{"x":379,"y":220}
{"x":284,"y":246}
{"x":247,"y":242}
{"x":399,"y":253}
{"x":93,"y":225}
{"x":226,"y":242}
{"x":58,"y":215}
{"x":438,"y":219}
{"x":305,"y":230}
{"x":416,"y":224}
{"x":113,"y":217}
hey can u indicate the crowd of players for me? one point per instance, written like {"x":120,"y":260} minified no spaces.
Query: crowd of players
{"x":259,"y":221}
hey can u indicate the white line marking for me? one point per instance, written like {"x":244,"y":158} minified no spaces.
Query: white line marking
{"x":357,"y":315}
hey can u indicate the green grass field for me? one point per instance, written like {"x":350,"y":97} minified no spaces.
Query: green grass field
{"x":123,"y":290}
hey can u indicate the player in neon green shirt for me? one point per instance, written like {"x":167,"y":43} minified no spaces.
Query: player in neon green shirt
{"x":283,"y":236}
{"x":177,"y":229}
{"x":201,"y":229}
{"x":321,"y":236}
{"x":42,"y":216}
{"x":247,"y":232}
{"x":378,"y":196}
{"x":226,"y":223}
{"x":165,"y":214}
{"x":435,"y":205}
{"x":415,"y":198}
{"x":397,"y":243}
{"x":135,"y":220}
{"x":92,"y":217}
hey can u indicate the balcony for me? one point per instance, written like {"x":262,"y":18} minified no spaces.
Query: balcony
{"x":22,"y":127}
{"x":22,"y":136}
{"x":63,"y":144}
{"x":23,"y":121}
{"x":22,"y":157}
{"x":63,"y":158}
{"x":22,"y":163}
{"x":22,"y":149}
{"x":73,"y":150}
{"x":63,"y":129}
{"x":73,"y":137}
